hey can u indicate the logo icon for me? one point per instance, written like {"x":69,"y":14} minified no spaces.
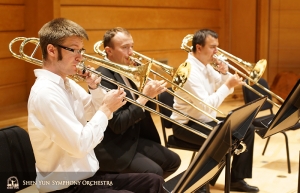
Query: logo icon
{"x":12,"y":183}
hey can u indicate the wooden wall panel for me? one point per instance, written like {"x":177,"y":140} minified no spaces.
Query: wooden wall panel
{"x":284,"y":38}
{"x":12,"y":71}
{"x":205,"y":4}
{"x":13,"y":94}
{"x":12,"y":2}
{"x":12,"y":82}
{"x":289,"y":39}
{"x":147,"y":40}
{"x":289,"y":4}
{"x":98,"y":18}
{"x":288,"y":20}
{"x":6,"y":38}
{"x":157,"y":27}
{"x":13,"y":15}
{"x":242,"y":30}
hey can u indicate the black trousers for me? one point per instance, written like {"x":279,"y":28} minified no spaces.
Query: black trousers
{"x":241,"y":164}
{"x":117,"y":183}
{"x":152,"y":157}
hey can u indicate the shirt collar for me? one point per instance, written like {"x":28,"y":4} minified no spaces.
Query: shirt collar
{"x":199,"y":64}
{"x":42,"y":73}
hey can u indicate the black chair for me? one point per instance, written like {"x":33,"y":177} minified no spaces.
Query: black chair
{"x":17,"y":162}
{"x":171,"y":141}
{"x":267,"y":106}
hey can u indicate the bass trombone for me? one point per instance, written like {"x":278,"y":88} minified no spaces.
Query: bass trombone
{"x":254,"y":71}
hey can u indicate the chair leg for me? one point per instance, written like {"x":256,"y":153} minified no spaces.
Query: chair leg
{"x":263,"y":153}
{"x":227,"y":172}
{"x":287,"y":151}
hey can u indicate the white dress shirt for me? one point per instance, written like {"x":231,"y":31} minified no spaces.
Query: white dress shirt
{"x":63,"y":141}
{"x":206,"y":84}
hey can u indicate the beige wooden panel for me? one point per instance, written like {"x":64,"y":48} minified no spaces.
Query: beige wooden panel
{"x":12,"y":71}
{"x":148,"y":40}
{"x":208,"y":4}
{"x":290,"y":19}
{"x":6,"y":38}
{"x":12,"y":17}
{"x":139,"y":18}
{"x":13,"y":94}
{"x":10,"y":2}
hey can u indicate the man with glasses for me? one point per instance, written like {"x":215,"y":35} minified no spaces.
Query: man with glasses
{"x":65,"y":123}
{"x":132,"y":143}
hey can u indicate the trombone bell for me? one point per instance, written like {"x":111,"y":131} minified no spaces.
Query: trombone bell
{"x":255,"y":71}
{"x":258,"y":70}
{"x":181,"y":75}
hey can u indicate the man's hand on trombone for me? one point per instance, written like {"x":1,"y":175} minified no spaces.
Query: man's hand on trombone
{"x":152,"y":89}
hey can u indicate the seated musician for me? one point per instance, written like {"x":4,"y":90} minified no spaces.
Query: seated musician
{"x":212,"y":88}
{"x":131,"y":142}
{"x":58,"y":110}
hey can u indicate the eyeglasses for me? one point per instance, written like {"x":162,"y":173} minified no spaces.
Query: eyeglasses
{"x":76,"y":51}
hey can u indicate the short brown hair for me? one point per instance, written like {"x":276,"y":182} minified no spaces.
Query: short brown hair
{"x":56,"y":31}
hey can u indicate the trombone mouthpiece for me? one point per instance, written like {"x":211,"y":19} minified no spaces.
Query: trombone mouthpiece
{"x":221,"y":58}
{"x":81,"y":67}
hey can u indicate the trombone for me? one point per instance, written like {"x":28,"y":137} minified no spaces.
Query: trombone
{"x":122,"y":69}
{"x":254,"y":72}
{"x":179,"y":76}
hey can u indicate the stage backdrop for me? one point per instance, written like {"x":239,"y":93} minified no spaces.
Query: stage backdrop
{"x":250,"y":30}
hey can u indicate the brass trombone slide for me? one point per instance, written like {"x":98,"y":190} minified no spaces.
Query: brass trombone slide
{"x":81,"y":66}
{"x":179,"y":76}
{"x":255,"y":72}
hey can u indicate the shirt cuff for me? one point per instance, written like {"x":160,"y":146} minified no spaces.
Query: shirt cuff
{"x":141,"y":107}
{"x":98,"y":92}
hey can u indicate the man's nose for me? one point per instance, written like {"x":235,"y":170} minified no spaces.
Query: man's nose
{"x":130,"y":52}
{"x":215,"y":50}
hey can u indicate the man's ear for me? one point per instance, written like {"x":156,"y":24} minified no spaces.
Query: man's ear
{"x":51,"y":50}
{"x":108,"y":50}
{"x":198,"y":47}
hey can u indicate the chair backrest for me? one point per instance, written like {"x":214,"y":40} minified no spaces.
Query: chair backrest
{"x":17,"y":162}
{"x":172,"y":141}
{"x":251,"y":96}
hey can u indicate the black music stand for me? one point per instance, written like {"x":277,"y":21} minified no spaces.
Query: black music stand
{"x":286,"y":117}
{"x":211,"y":156}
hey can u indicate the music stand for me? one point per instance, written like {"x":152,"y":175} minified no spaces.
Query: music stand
{"x":287,"y":115}
{"x":211,"y":156}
